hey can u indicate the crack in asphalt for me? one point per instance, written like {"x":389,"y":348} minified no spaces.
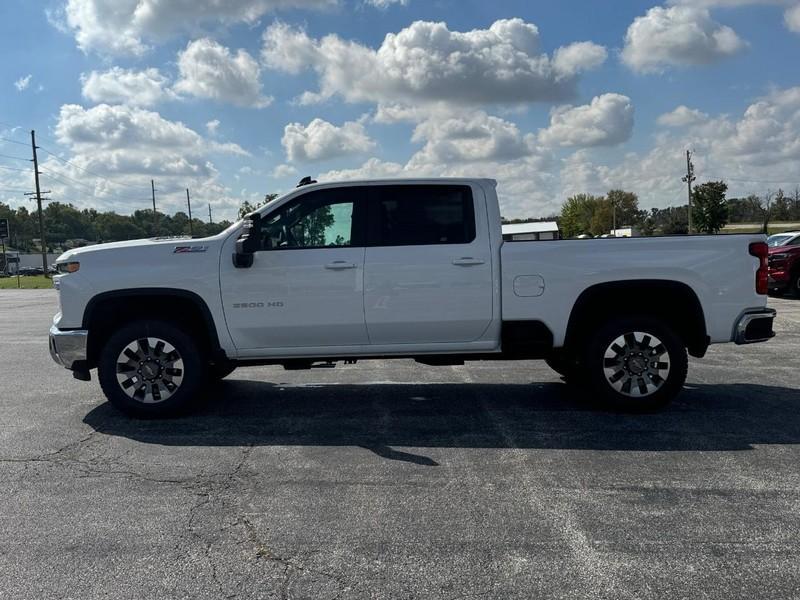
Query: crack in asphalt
{"x":291,"y":564}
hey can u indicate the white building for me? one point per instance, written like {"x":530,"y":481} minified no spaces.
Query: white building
{"x":526,"y":232}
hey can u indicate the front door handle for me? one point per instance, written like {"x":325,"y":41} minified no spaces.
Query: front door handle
{"x":468,"y":261}
{"x":340,"y":265}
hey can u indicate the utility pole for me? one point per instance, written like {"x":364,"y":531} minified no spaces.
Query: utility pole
{"x":39,"y":202}
{"x":189,"y":203}
{"x":689,"y":178}
{"x":614,"y":217}
{"x":155,"y":214}
{"x":210,"y":220}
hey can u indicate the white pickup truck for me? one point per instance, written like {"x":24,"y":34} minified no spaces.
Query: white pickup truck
{"x":401,"y":269}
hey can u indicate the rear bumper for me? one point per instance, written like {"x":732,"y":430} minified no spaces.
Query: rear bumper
{"x":68,"y":348}
{"x":755,"y":326}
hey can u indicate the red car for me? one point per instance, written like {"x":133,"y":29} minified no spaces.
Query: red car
{"x":784,"y":262}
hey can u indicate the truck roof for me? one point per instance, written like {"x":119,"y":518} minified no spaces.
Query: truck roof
{"x":404,"y":181}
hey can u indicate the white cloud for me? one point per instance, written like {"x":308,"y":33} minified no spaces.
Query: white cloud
{"x":384,"y":4}
{"x":571,"y":60}
{"x":792,"y":18}
{"x":726,"y":3}
{"x":683,"y":116}
{"x":210,"y":70}
{"x":426,"y":62}
{"x":607,"y":121}
{"x":675,"y":36}
{"x":758,"y":150}
{"x":320,"y":140}
{"x":763,"y":143}
{"x":23,"y":82}
{"x":767,"y":134}
{"x":126,"y":86}
{"x":374,"y":168}
{"x":126,"y":26}
{"x":284,"y":170}
{"x":213,"y":127}
{"x":470,"y":137}
{"x":114,"y":151}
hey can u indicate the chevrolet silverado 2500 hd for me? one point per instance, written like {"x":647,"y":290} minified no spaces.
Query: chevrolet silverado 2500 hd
{"x":401,"y":269}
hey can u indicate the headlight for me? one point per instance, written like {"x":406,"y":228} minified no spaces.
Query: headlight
{"x":68,"y":267}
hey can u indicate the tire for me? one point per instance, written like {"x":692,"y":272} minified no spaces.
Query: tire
{"x":151,"y":369}
{"x":635,"y":364}
{"x":563,"y":364}
{"x":795,"y":284}
{"x":219,"y":371}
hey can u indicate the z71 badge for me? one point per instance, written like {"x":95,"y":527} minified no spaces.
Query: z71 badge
{"x":189,"y":249}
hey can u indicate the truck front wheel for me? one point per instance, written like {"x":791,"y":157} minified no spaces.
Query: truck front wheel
{"x":151,"y":369}
{"x":563,"y":363}
{"x":636,"y":364}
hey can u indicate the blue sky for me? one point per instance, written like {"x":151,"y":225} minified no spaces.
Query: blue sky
{"x":240,"y":98}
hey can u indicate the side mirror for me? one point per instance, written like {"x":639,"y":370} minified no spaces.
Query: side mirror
{"x":248,"y":243}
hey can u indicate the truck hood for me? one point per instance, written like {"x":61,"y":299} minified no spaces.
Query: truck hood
{"x":76,"y":253}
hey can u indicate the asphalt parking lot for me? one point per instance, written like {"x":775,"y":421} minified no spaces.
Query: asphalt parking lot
{"x":393,"y":480}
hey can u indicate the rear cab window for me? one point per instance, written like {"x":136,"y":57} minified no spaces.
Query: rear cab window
{"x":420,"y":215}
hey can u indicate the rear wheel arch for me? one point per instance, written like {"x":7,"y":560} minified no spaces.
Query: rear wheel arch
{"x":109,"y":311}
{"x":671,"y":302}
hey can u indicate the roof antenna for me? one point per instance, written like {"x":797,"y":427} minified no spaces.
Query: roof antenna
{"x":306,"y":181}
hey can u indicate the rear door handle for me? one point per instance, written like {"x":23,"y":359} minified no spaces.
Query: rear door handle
{"x":340,"y":265}
{"x":468,"y":261}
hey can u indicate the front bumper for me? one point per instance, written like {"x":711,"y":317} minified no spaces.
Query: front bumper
{"x":68,"y":348}
{"x":755,"y":326}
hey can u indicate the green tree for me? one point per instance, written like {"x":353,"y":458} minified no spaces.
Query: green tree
{"x":781,"y":207}
{"x":627,"y":212}
{"x":710,"y":211}
{"x":577,"y":213}
{"x":249,"y":207}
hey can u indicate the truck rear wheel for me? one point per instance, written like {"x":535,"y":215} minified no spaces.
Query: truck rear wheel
{"x":151,"y":369}
{"x":636,"y":364}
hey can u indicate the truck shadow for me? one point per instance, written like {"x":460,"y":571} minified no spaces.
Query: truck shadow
{"x":535,"y":416}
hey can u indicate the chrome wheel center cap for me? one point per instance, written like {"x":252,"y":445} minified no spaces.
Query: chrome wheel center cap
{"x":637,"y":365}
{"x":150,"y":370}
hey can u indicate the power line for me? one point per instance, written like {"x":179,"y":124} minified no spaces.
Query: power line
{"x":13,"y":141}
{"x":61,"y":176}
{"x":13,"y":169}
{"x":753,"y":180}
{"x":16,"y":157}
{"x":85,"y":170}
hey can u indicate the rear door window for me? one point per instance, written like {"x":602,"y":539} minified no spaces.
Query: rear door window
{"x":421,"y":215}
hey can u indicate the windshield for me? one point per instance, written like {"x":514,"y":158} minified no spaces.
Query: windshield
{"x":778,"y":240}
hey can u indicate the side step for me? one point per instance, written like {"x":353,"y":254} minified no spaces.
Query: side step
{"x":439,"y":361}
